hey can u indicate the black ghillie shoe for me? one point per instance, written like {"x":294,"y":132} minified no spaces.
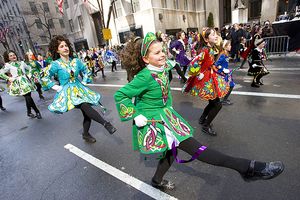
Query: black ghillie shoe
{"x":88,"y":138}
{"x":201,"y":120}
{"x":254,"y":85}
{"x":38,"y":115}
{"x":164,"y":185}
{"x":271,"y":170}
{"x":208,"y":130}
{"x":2,"y":108}
{"x":31,"y":115}
{"x":110,"y":128}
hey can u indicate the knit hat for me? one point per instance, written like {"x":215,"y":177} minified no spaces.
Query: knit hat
{"x":258,"y":41}
{"x":148,"y":39}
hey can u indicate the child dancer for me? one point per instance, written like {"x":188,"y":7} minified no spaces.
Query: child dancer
{"x":205,"y":82}
{"x":222,"y":65}
{"x":71,"y":93}
{"x":158,"y":128}
{"x":19,"y":83}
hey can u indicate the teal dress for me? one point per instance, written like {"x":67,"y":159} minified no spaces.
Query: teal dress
{"x":73,"y":92}
{"x":153,"y":99}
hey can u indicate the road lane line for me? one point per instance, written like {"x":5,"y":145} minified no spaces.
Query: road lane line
{"x":122,"y":176}
{"x":259,"y":94}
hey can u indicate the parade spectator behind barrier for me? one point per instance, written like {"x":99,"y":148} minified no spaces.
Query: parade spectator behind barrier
{"x":19,"y":82}
{"x":158,"y":128}
{"x":72,"y":93}
{"x":267,"y":30}
{"x":235,"y":43}
{"x":179,"y":48}
{"x":243,"y":51}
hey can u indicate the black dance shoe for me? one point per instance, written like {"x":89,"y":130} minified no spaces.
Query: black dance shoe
{"x":271,"y":170}
{"x":254,"y":85}
{"x":31,"y":115}
{"x":201,"y":120}
{"x":109,"y":127}
{"x":164,"y":185}
{"x":41,"y":97}
{"x":88,"y":138}
{"x":2,"y":108}
{"x":208,"y":130}
{"x":259,"y":83}
{"x":38,"y":115}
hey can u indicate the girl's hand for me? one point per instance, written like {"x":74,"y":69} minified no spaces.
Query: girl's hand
{"x":140,"y":121}
{"x":226,"y":71}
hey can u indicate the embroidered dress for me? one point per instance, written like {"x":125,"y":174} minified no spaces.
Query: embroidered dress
{"x":223,"y":62}
{"x":73,"y":92}
{"x":212,"y":85}
{"x":181,"y":58}
{"x":21,"y":84}
{"x":35,"y":71}
{"x":153,"y":99}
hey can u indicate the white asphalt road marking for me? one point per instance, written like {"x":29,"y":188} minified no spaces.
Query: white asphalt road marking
{"x":259,"y":94}
{"x":126,"y":178}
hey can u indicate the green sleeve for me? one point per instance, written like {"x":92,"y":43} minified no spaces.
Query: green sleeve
{"x":123,"y":97}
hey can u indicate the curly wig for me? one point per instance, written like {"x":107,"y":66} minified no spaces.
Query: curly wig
{"x":55,"y":42}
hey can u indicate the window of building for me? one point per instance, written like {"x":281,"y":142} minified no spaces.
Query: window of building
{"x":14,"y":11}
{"x":18,"y":9}
{"x":33,"y":7}
{"x":254,"y":9}
{"x":61,"y":22}
{"x":227,"y":11}
{"x":44,"y":38}
{"x":176,"y":4}
{"x":186,"y":5}
{"x":164,"y":3}
{"x":51,"y":24}
{"x":75,"y":1}
{"x":66,"y":5}
{"x":118,"y":7}
{"x":71,"y":25}
{"x":46,"y":7}
{"x":135,"y":5}
{"x":20,"y":28}
{"x":38,"y":23}
{"x":80,"y":21}
{"x":194,"y":5}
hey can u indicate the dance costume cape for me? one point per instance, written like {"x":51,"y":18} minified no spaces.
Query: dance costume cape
{"x":73,"y":92}
{"x":153,"y":99}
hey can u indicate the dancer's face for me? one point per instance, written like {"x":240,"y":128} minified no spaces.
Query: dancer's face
{"x":228,"y":47}
{"x":212,"y":38}
{"x":12,"y":57}
{"x":63,"y":49}
{"x":155,"y":55}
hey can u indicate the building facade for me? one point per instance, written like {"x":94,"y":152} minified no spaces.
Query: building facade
{"x":32,"y":24}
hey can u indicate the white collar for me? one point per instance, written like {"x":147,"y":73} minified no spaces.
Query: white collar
{"x":157,"y":69}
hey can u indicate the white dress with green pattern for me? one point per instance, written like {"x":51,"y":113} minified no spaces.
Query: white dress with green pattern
{"x":21,"y":84}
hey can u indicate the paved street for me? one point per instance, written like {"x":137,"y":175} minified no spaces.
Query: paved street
{"x":35,"y":164}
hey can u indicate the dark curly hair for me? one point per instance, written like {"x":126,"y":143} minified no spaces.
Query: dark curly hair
{"x":55,"y":42}
{"x":131,"y":57}
{"x":6,"y":57}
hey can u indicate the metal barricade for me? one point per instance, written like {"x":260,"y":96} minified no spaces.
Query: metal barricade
{"x":277,"y":44}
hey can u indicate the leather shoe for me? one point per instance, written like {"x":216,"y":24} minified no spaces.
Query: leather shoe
{"x":271,"y":170}
{"x":201,"y":120}
{"x":88,"y":138}
{"x":38,"y":115}
{"x":2,"y":108}
{"x":31,"y":115}
{"x":208,"y":130}
{"x":110,"y":127}
{"x":254,"y":85}
{"x":163,"y":185}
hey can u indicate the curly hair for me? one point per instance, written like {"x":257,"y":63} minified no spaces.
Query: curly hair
{"x":6,"y":56}
{"x":131,"y":57}
{"x":55,"y":42}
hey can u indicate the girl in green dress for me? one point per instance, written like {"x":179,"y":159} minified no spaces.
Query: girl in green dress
{"x":19,"y":83}
{"x":158,"y":128}
{"x":71,"y":92}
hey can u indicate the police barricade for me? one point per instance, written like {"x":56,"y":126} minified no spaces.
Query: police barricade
{"x":277,"y":44}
